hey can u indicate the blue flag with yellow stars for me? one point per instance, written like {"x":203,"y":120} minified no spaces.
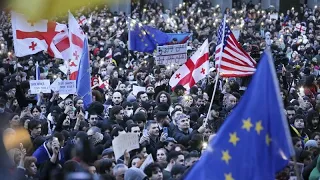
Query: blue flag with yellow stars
{"x":144,"y":38}
{"x":254,"y":142}
{"x":84,"y":77}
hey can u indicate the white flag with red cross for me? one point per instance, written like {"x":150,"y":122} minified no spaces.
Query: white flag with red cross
{"x":82,"y":20}
{"x":299,"y":27}
{"x":76,"y":37}
{"x":31,"y":37}
{"x":195,"y":69}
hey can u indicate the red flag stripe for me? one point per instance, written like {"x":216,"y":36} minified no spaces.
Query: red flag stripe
{"x":240,"y":55}
{"x":63,"y":44}
{"x":76,"y":41}
{"x":233,"y":68}
{"x":234,"y":57}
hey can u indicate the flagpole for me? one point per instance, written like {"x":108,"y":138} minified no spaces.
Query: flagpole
{"x":218,"y":71}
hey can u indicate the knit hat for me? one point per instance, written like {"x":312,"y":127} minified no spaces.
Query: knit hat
{"x":134,"y":173}
{"x":107,"y":151}
{"x":311,"y":143}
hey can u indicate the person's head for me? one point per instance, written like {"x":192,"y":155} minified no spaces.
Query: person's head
{"x":168,"y":144}
{"x":119,"y":170}
{"x":140,"y":119}
{"x":231,"y":101}
{"x":35,"y":110}
{"x":30,"y":165}
{"x":298,"y":121}
{"x":93,"y":119}
{"x":161,"y":155}
{"x":134,"y":128}
{"x":305,"y":157}
{"x":59,"y":136}
{"x":135,"y":161}
{"x":34,"y":127}
{"x":297,"y":143}
{"x":207,"y":133}
{"x":79,"y":103}
{"x":163,"y":97}
{"x":313,"y":118}
{"x":291,"y":112}
{"x":15,"y":121}
{"x":43,"y":108}
{"x":178,"y":107}
{"x":152,"y":127}
{"x":128,"y":108}
{"x":108,"y":154}
{"x":175,"y":157}
{"x":104,"y":166}
{"x":154,"y":171}
{"x":316,"y":136}
{"x":117,"y":113}
{"x":142,"y":96}
{"x":199,"y":100}
{"x":117,"y":98}
{"x":177,"y":171}
{"x":191,"y":158}
{"x":183,"y":122}
{"x":179,"y":90}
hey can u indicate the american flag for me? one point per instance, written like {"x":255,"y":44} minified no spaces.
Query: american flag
{"x":229,"y":55}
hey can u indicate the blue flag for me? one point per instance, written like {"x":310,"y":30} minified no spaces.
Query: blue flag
{"x":181,"y":37}
{"x":145,"y":38}
{"x":254,"y":142}
{"x":83,"y":79}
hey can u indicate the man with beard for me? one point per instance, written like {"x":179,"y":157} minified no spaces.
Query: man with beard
{"x":116,"y":100}
{"x":200,"y":104}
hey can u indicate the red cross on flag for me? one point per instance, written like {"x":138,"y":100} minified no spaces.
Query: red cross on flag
{"x":76,"y":37}
{"x":82,"y":20}
{"x":195,"y":69}
{"x":299,"y":27}
{"x":32,"y":37}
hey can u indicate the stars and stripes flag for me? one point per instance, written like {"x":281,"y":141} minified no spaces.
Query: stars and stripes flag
{"x":231,"y":59}
{"x":195,"y":69}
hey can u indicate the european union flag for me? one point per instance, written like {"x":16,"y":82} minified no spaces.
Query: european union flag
{"x":145,"y":38}
{"x":254,"y":142}
{"x":83,"y":79}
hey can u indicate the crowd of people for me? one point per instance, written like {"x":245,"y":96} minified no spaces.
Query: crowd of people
{"x":48,"y":136}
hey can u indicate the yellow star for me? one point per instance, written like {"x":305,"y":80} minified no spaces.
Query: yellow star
{"x":146,"y":44}
{"x":225,"y":156}
{"x":233,"y":138}
{"x":228,"y":176}
{"x":142,"y":40}
{"x":152,"y":35}
{"x":268,"y":140}
{"x":259,"y":127}
{"x":247,"y":124}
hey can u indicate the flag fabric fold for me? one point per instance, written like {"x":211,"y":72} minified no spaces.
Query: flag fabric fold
{"x":254,"y":142}
{"x":76,"y":37}
{"x":232,"y":59}
{"x":31,"y":37}
{"x":195,"y":69}
{"x":83,"y":78}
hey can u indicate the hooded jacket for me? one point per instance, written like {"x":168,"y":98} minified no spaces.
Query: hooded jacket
{"x":315,"y":173}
